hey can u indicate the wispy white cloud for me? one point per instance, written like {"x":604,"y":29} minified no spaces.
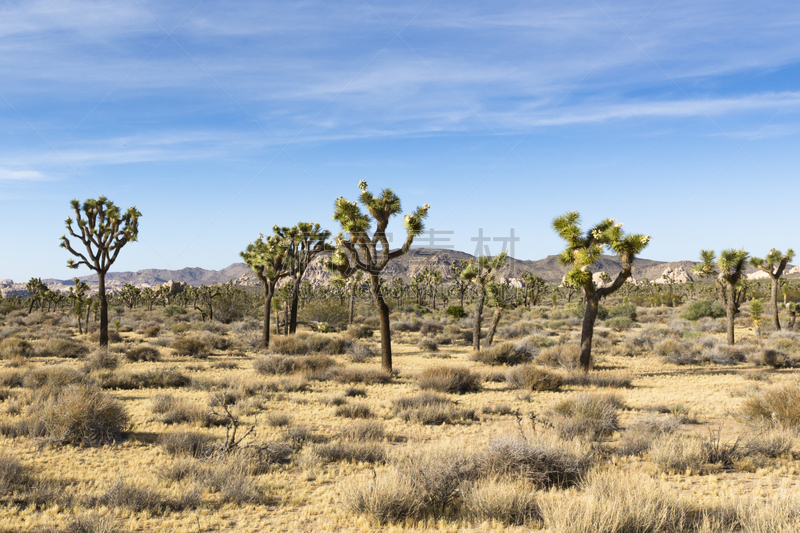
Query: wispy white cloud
{"x":21,"y":175}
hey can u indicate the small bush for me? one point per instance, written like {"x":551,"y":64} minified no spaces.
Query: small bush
{"x":13,"y":476}
{"x":289,"y":345}
{"x":506,"y":353}
{"x":615,"y":380}
{"x":358,"y":410}
{"x":66,"y":348}
{"x":151,"y":331}
{"x":53,"y":378}
{"x":360,"y":352}
{"x":363,"y":430}
{"x":562,"y":355}
{"x":102,"y":359}
{"x":190,"y":347}
{"x":589,"y":415}
{"x":83,"y":415}
{"x":456,"y":311}
{"x":678,"y":454}
{"x":427,"y":345}
{"x":173,"y":310}
{"x":619,"y":323}
{"x":367,"y":376}
{"x":449,"y":379}
{"x":158,"y":378}
{"x":12,"y":348}
{"x":143,"y":353}
{"x":779,"y":405}
{"x":349,"y":451}
{"x":188,"y":443}
{"x":638,"y":438}
{"x":357,"y":331}
{"x":701,"y":309}
{"x":511,"y":502}
{"x":431,"y":328}
{"x":534,"y":378}
{"x":625,"y":310}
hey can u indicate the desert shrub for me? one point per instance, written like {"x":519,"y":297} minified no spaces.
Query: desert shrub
{"x":53,"y":377}
{"x":427,"y":345}
{"x":289,"y":345}
{"x":189,"y":443}
{"x":406,"y":326}
{"x":673,"y":453}
{"x":11,"y":378}
{"x":701,"y":309}
{"x":417,"y":401}
{"x":710,"y":325}
{"x":589,"y":415}
{"x":449,"y":379}
{"x":612,"y":380}
{"x":430,"y":409}
{"x":102,"y":359}
{"x":173,"y":310}
{"x":357,"y":410}
{"x":579,"y":311}
{"x":158,"y":378}
{"x":542,"y":461}
{"x":619,"y":323}
{"x":678,"y":353}
{"x":363,"y":430}
{"x":771,"y":444}
{"x":230,"y":478}
{"x":350,"y":451}
{"x":330,"y":310}
{"x":562,"y":355}
{"x":511,"y":502}
{"x":639,"y":436}
{"x":83,"y":415}
{"x":497,"y":409}
{"x":360,"y":352}
{"x":271,"y":365}
{"x":143,"y":353}
{"x":506,"y":353}
{"x":455,"y":311}
{"x":353,"y":392}
{"x":190,"y":347}
{"x":431,"y":328}
{"x":367,"y":376}
{"x":358,"y":331}
{"x":67,"y":348}
{"x":622,"y":310}
{"x":778,"y":405}
{"x":172,"y":410}
{"x":533,"y":377}
{"x":113,"y":336}
{"x":617,"y":501}
{"x":13,"y":476}
{"x":722,"y":354}
{"x":179,"y":327}
{"x":329,"y":344}
{"x":13,"y":347}
{"x":151,"y":331}
{"x":145,"y":497}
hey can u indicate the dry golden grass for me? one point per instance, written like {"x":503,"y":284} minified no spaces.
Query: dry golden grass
{"x":324,"y":425}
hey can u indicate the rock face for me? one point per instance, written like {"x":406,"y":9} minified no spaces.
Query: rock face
{"x":674,"y":275}
{"x":758,"y":274}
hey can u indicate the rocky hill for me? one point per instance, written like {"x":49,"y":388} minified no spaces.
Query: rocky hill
{"x":405,"y":267}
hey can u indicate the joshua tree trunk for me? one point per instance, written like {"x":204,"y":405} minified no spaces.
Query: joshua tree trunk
{"x":774,"y":302}
{"x":383,"y":314}
{"x":101,"y":292}
{"x":267,"y":314}
{"x":352,"y":303}
{"x":587,"y":330}
{"x":476,"y":327}
{"x":493,"y":326}
{"x":730,"y":312}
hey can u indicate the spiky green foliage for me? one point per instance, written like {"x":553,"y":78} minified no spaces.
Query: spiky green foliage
{"x":727,"y":273}
{"x":103,"y":230}
{"x":582,"y":252}
{"x":357,"y":250}
{"x":268,"y":258}
{"x":481,"y":271}
{"x":774,"y":265}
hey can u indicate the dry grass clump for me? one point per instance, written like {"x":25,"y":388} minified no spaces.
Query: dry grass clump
{"x":769,"y":357}
{"x":186,"y":443}
{"x":611,"y":380}
{"x":143,"y":353}
{"x":443,"y":378}
{"x":506,"y":353}
{"x":427,"y":345}
{"x":586,"y":415}
{"x":13,"y":476}
{"x":367,"y":376}
{"x":615,"y":501}
{"x":82,"y":415}
{"x":289,"y":345}
{"x":13,"y":348}
{"x":356,"y":410}
{"x":348,"y":451}
{"x":640,"y":435}
{"x":360,"y":352}
{"x":778,"y":405}
{"x":172,"y":410}
{"x":358,"y":331}
{"x":53,"y":377}
{"x":431,"y":409}
{"x":66,"y":348}
{"x":11,"y":378}
{"x":140,"y":497}
{"x":673,"y":453}
{"x":533,"y":377}
{"x":156,"y":378}
{"x":508,"y":501}
{"x":678,"y":352}
{"x":560,"y":356}
{"x":281,"y":364}
{"x":190,"y":347}
{"x":363,"y":430}
{"x":102,"y":359}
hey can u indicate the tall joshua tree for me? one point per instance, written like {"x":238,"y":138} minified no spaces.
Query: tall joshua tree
{"x":103,"y":232}
{"x":728,"y":278}
{"x":582,"y":251}
{"x":372,"y":254}
{"x":268,"y":259}
{"x":304,"y":242}
{"x":774,"y":265}
{"x":481,"y":271}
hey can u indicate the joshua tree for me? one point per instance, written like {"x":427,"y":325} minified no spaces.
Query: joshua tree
{"x":78,"y":294}
{"x":268,"y":259}
{"x":461,"y":284}
{"x":481,"y":271}
{"x":728,"y":279}
{"x":303,"y":241}
{"x":130,"y":295}
{"x":774,"y":265}
{"x":501,"y":298}
{"x":350,"y":277}
{"x":37,"y":289}
{"x":372,"y":254}
{"x":583,"y":251}
{"x":103,"y":232}
{"x":535,"y":287}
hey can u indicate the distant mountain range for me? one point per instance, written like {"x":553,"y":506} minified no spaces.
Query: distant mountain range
{"x":405,"y":267}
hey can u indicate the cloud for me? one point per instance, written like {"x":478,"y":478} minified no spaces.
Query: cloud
{"x":20,"y":175}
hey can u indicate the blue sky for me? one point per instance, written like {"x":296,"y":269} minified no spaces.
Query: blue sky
{"x":220,"y":119}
